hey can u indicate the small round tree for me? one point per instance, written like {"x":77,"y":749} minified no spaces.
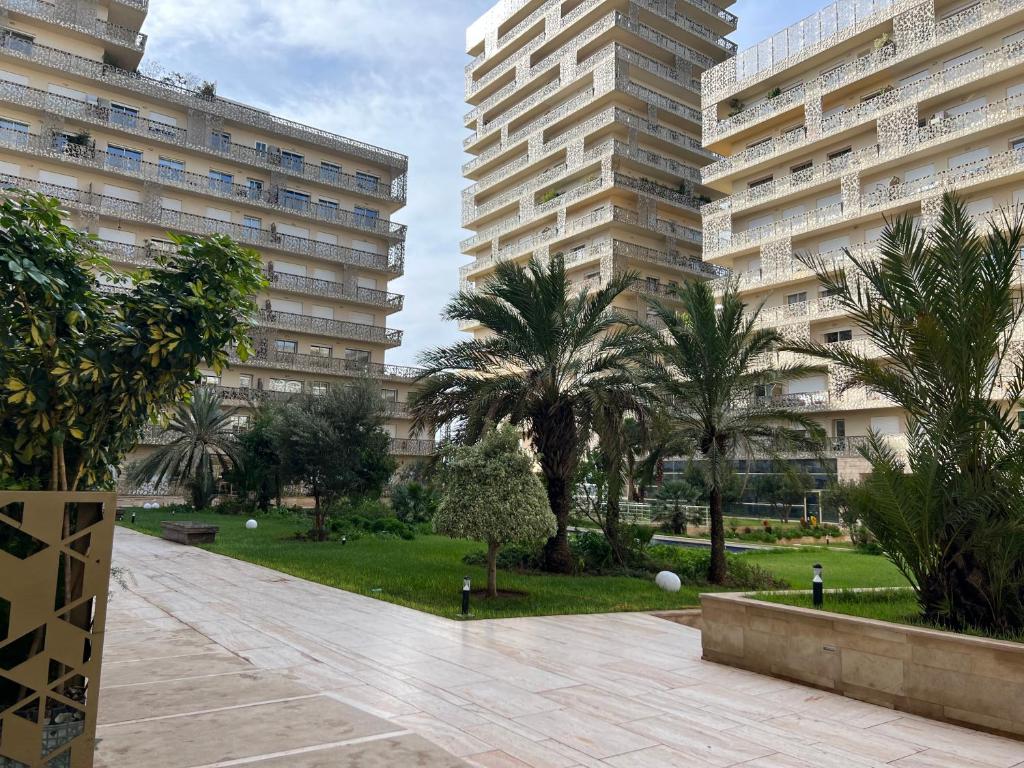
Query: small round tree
{"x":489,"y":493}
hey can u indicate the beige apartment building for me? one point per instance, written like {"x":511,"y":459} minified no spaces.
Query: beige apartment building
{"x":864,"y":110}
{"x":134,"y":158}
{"x":585,"y":136}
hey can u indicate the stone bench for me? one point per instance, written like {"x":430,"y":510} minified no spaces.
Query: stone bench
{"x":188,"y":532}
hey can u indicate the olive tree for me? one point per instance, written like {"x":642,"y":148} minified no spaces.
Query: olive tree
{"x":490,"y":493}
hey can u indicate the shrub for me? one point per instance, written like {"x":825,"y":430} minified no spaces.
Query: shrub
{"x":414,"y":502}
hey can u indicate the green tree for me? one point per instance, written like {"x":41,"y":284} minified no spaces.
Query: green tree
{"x":256,"y":473}
{"x":414,"y":502}
{"x":674,"y":502}
{"x":335,"y":446}
{"x":943,"y":309}
{"x":554,"y":358}
{"x":490,"y":494}
{"x":203,"y":441}
{"x":782,"y":489}
{"x":82,"y":371}
{"x":709,"y":366}
{"x":837,"y":503}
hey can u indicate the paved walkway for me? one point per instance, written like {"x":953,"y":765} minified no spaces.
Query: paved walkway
{"x":275,"y":671}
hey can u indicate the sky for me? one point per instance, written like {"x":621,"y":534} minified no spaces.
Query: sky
{"x":389,"y":72}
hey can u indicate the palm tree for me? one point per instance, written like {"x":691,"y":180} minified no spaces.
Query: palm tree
{"x":553,"y":361}
{"x":943,"y":309}
{"x":204,"y":439}
{"x":710,"y":361}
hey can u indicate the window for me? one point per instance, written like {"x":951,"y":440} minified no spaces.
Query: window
{"x":14,"y":132}
{"x":834,"y":337}
{"x":838,"y":427}
{"x":330,"y":173}
{"x":126,"y":117}
{"x":220,"y":141}
{"x":367,"y":181}
{"x":800,"y":167}
{"x":291,"y":386}
{"x":17,"y":41}
{"x":283,"y":345}
{"x":124,"y":159}
{"x":328,"y":209}
{"x":357,"y":355}
{"x":389,"y":395}
{"x":261,"y":149}
{"x":297,"y":201}
{"x":366,"y":217}
{"x":839,"y":153}
{"x":1017,"y":143}
{"x":255,"y":189}
{"x":293,"y":161}
{"x":221,"y":182}
{"x":319,"y":388}
{"x":171,"y":170}
{"x":653,"y":284}
{"x":760,"y":182}
{"x":318,"y":350}
{"x":797,"y":298}
{"x":210,"y":379}
{"x":252,"y":222}
{"x":245,"y":381}
{"x":239,"y":422}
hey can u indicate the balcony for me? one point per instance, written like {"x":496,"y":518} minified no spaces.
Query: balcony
{"x":309,"y":286}
{"x":148,"y":87}
{"x":788,"y":227}
{"x":272,"y":359}
{"x":131,"y":39}
{"x":89,"y":202}
{"x":320,"y":326}
{"x":755,"y":114}
{"x":153,"y":434}
{"x":800,"y":312}
{"x":661,"y":9}
{"x":253,"y":396}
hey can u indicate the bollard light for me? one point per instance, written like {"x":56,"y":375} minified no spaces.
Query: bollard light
{"x":133,"y":516}
{"x":466,"y":586}
{"x":818,"y":587}
{"x":344,"y":540}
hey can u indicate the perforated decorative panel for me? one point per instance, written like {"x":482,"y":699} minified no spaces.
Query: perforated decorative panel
{"x":54,"y":578}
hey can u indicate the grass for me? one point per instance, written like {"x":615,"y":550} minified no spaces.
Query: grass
{"x":426,"y":573}
{"x":898,"y":606}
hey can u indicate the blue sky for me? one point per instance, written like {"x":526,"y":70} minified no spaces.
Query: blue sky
{"x":385,"y":71}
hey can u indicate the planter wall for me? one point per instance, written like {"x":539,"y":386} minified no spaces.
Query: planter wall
{"x":51,"y":628}
{"x":955,"y":678}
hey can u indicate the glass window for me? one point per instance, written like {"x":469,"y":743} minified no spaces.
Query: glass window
{"x":797,"y":298}
{"x":328,"y":209}
{"x":366,"y":217}
{"x":261,"y":148}
{"x":389,"y":395}
{"x":839,"y":428}
{"x":837,"y":336}
{"x":126,"y":117}
{"x":297,"y":201}
{"x":245,"y":381}
{"x":330,"y":172}
{"x":290,"y":386}
{"x":17,"y":41}
{"x":172,"y":170}
{"x":255,"y":189}
{"x":319,"y":388}
{"x":220,"y":141}
{"x":125,"y":159}
{"x":211,"y":379}
{"x":357,"y":355}
{"x":293,"y":161}
{"x":221,"y":182}
{"x":1017,"y":144}
{"x":239,"y":422}
{"x":318,"y":350}
{"x":283,"y":345}
{"x":367,"y":181}
{"x":14,"y":132}
{"x":252,"y":222}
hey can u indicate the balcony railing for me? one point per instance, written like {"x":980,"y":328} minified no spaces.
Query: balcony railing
{"x":792,"y":225}
{"x":668,"y":12}
{"x":254,"y":396}
{"x":134,"y":82}
{"x":315,"y":287}
{"x":114,"y":33}
{"x":801,"y":311}
{"x":321,"y":326}
{"x":338,"y":366}
{"x":201,"y":225}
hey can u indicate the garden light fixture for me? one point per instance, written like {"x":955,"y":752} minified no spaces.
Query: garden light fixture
{"x":818,"y":587}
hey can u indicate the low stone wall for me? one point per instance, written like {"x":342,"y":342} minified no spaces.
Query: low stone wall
{"x":955,"y":678}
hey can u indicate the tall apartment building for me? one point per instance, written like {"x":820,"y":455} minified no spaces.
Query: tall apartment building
{"x":864,"y":110}
{"x":134,"y":158}
{"x":585,"y":128}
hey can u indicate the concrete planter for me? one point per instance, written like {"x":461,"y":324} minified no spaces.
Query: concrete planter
{"x":51,"y":628}
{"x":958,"y":679}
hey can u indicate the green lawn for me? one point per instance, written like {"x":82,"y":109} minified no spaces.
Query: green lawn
{"x":843,"y":568}
{"x":427,"y":573}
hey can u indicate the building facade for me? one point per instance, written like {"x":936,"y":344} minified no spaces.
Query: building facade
{"x":862,"y":111}
{"x":585,"y":139}
{"x":133,"y":158}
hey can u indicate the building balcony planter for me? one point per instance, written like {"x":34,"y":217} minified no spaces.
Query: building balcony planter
{"x":51,"y":650}
{"x":955,"y":678}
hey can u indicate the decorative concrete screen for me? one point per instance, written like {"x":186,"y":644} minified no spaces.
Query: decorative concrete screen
{"x":54,"y":578}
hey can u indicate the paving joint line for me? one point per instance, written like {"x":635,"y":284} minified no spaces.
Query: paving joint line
{"x":307,"y":750}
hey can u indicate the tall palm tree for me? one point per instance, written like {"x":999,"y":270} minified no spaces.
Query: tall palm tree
{"x":944,"y":310}
{"x":709,"y":362}
{"x":554,"y":359}
{"x":204,"y":440}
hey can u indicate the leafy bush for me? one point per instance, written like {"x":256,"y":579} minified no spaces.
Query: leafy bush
{"x":691,"y":565}
{"x":414,"y":502}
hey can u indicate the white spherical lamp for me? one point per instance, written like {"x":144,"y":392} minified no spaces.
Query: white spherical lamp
{"x":668,"y":581}
{"x":252,"y":525}
{"x":147,"y":505}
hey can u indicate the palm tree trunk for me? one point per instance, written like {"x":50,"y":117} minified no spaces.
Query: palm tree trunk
{"x":717,"y":571}
{"x":492,"y":569}
{"x":557,"y":557}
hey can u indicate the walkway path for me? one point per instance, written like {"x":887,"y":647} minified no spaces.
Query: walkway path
{"x":623,"y":690}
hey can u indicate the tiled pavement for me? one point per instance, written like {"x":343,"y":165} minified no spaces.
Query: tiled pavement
{"x":212,"y":663}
